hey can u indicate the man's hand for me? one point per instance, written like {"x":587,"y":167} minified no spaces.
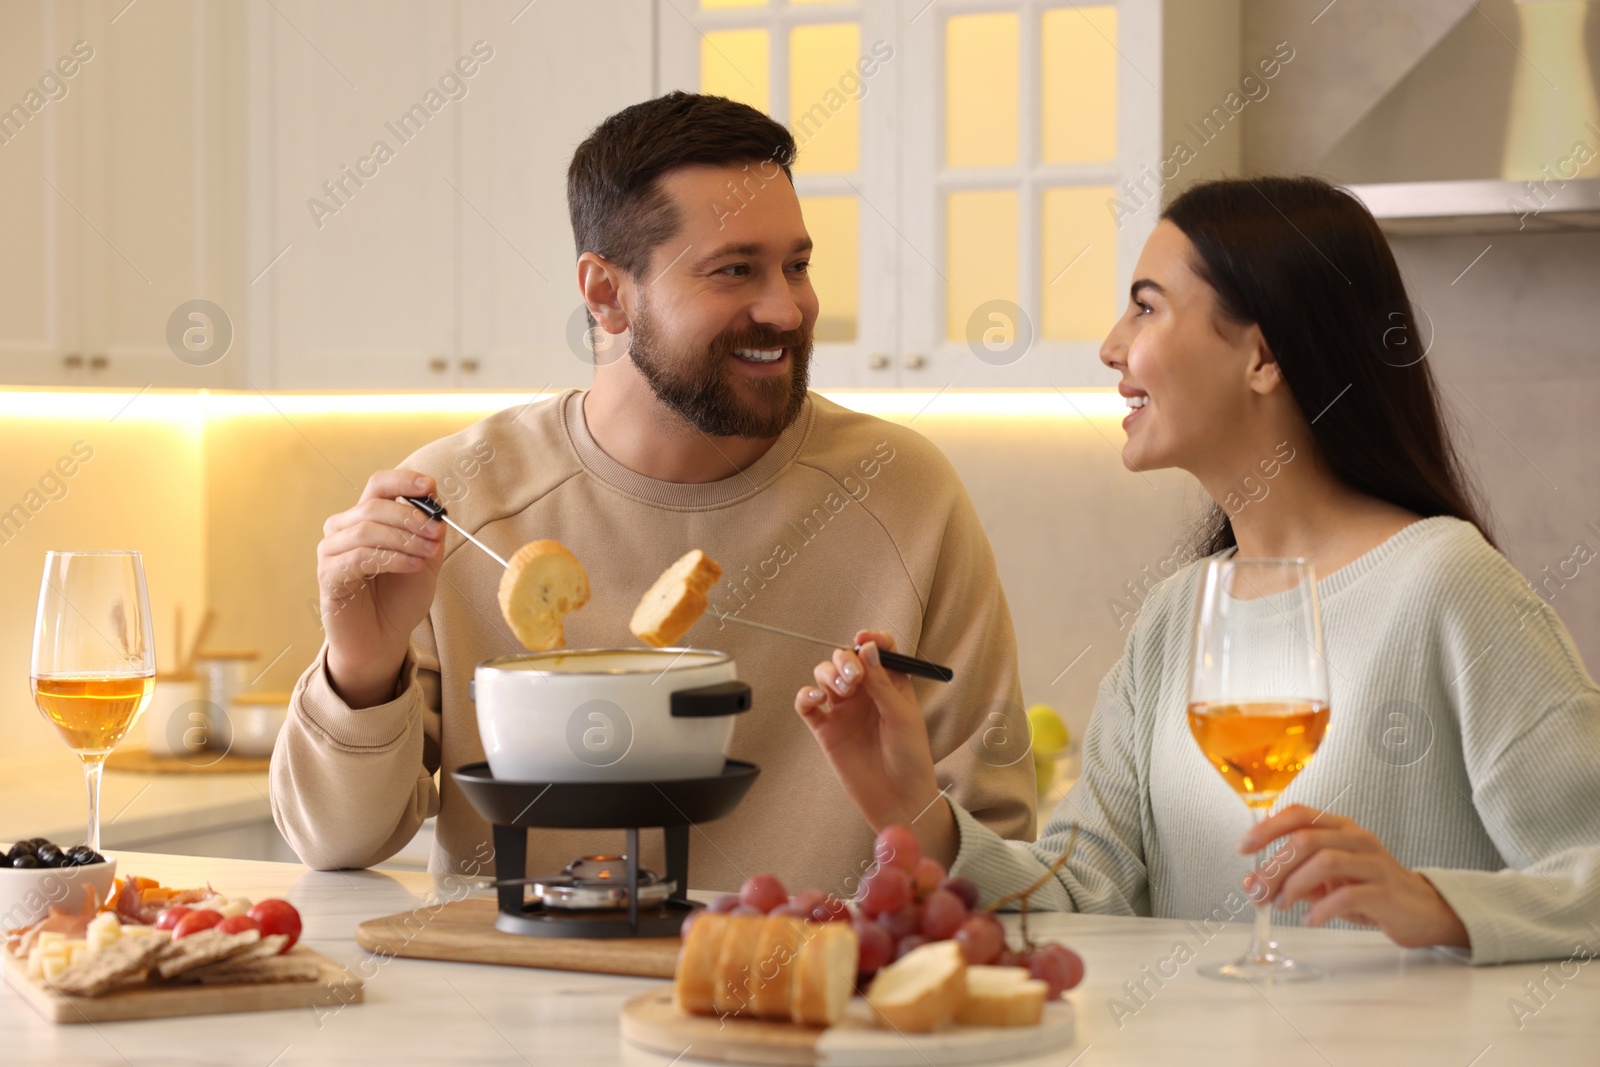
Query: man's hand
{"x":1346,"y":873}
{"x":377,"y":565}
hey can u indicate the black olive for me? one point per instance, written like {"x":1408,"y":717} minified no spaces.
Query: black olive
{"x":95,"y":857}
{"x":48,"y":855}
{"x":5,"y":861}
{"x":39,"y":842}
{"x":22,"y":848}
{"x":25,"y":861}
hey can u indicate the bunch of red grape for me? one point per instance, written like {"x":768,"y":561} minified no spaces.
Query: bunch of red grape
{"x":907,"y":900}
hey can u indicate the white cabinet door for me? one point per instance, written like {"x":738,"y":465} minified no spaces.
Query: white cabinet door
{"x":360,"y":258}
{"x":828,"y":72}
{"x":1019,"y":121}
{"x":558,"y":70}
{"x":115,"y":211}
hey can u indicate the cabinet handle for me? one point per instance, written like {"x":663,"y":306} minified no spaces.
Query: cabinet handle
{"x":469,"y":366}
{"x":438,"y":366}
{"x":72,"y":361}
{"x":879,"y":361}
{"x":915,"y":362}
{"x":98,"y":363}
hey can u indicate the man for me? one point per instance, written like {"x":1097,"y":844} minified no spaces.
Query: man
{"x":700,"y":433}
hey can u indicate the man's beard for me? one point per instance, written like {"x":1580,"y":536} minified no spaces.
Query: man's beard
{"x":699,"y":388}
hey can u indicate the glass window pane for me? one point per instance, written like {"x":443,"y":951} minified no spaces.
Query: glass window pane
{"x":1078,"y":85}
{"x":834,"y":225}
{"x":981,"y":257}
{"x":734,"y":63}
{"x":1078,"y":268}
{"x":980,"y":90}
{"x":824,"y":92}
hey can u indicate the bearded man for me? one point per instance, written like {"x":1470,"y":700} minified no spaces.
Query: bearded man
{"x":698,"y":432}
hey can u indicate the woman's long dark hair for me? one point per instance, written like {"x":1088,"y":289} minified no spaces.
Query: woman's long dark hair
{"x":1307,"y":263}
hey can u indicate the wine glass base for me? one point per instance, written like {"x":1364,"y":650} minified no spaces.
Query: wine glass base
{"x":1267,"y":968}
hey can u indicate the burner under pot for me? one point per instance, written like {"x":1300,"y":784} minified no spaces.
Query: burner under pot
{"x":599,"y":883}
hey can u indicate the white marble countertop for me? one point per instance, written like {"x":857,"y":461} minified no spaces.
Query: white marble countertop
{"x":48,"y":799}
{"x":1382,"y":1005}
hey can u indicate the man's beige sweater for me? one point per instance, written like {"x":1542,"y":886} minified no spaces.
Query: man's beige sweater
{"x":847,"y":522}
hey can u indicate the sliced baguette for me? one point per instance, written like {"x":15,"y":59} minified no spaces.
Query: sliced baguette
{"x":696,"y":975}
{"x":676,"y":600}
{"x":542,"y":582}
{"x":734,"y":976}
{"x":777,"y":953}
{"x":1002,"y":996}
{"x":922,"y":990}
{"x":825,"y":974}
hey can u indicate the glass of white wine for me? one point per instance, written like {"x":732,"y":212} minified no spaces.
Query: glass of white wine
{"x":94,"y":660}
{"x":1258,"y":705}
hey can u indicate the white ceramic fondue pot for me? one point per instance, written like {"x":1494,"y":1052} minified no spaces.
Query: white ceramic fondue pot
{"x":608,"y":714}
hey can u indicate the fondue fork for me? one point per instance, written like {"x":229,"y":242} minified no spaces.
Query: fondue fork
{"x":893,"y":660}
{"x":435,"y":510}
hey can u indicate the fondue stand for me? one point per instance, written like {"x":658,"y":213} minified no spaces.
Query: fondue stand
{"x":514,"y":807}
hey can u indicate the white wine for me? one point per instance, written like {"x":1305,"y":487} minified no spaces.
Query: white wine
{"x":93,"y":712}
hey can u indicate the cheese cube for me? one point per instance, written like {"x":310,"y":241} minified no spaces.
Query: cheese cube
{"x":50,"y":937}
{"x":54,"y":965}
{"x":235,"y":906}
{"x":102,"y":934}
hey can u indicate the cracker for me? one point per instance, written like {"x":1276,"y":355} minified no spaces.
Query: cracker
{"x":276,"y":969}
{"x":100,"y":972}
{"x":197,"y":950}
{"x":264,"y":949}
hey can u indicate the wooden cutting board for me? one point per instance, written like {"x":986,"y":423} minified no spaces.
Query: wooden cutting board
{"x":651,"y":1021}
{"x":462,"y":931}
{"x":337,"y":986}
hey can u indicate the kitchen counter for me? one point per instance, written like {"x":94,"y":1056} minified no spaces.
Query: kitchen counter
{"x":1382,"y":1005}
{"x":48,"y":799}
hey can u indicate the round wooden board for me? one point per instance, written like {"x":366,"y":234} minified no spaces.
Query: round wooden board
{"x":133,"y":760}
{"x":652,"y":1022}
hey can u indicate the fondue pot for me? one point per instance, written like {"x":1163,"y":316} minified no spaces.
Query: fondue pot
{"x":608,"y":714}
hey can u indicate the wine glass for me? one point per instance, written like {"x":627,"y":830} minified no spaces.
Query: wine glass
{"x":1258,"y":705}
{"x":94,"y":661}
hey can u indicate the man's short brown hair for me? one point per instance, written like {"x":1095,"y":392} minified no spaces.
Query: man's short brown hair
{"x":614,"y":194}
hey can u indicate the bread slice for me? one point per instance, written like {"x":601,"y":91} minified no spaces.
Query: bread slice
{"x":733,"y":982}
{"x":922,"y":990}
{"x":1002,"y":996}
{"x":825,"y":974}
{"x":777,"y":952}
{"x":676,"y":601}
{"x":696,"y":975}
{"x":542,"y":582}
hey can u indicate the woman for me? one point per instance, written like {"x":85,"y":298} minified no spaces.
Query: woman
{"x":1268,"y":320}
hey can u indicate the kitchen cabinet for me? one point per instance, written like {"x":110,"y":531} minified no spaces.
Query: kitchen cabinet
{"x":114,"y":170}
{"x":415,"y":180}
{"x":372,"y":193}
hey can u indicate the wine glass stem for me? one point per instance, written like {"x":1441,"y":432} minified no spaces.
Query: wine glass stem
{"x":1261,"y":938}
{"x":91,"y":777}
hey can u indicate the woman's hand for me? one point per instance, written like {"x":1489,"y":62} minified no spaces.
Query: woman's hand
{"x":1344,"y":871}
{"x":867,"y":721}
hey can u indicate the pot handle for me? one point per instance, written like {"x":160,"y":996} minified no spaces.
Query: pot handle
{"x":724,"y":698}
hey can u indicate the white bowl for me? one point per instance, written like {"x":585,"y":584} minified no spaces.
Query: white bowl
{"x":255,"y":719}
{"x":26,"y":895}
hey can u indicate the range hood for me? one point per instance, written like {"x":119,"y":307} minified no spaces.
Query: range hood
{"x":1443,"y":116}
{"x":1408,"y":209}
